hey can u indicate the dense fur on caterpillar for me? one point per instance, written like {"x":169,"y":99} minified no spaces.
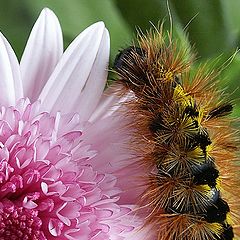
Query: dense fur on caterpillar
{"x":182,"y":120}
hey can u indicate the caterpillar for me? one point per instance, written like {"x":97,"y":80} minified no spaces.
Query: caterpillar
{"x":183,"y":134}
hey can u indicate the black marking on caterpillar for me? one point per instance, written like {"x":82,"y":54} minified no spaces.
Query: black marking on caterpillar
{"x":206,"y":175}
{"x":217,"y":212}
{"x":125,"y":57}
{"x":221,"y":110}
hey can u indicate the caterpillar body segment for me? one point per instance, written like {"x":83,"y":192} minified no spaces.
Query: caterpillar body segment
{"x":193,"y":192}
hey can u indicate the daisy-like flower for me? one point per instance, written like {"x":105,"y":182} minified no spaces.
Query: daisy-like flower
{"x":59,"y":146}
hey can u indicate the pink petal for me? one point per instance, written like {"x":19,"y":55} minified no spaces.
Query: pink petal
{"x":55,"y":227}
{"x":82,"y":232}
{"x":41,"y":54}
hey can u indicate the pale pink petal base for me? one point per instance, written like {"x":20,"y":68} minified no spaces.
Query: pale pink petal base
{"x":110,"y":121}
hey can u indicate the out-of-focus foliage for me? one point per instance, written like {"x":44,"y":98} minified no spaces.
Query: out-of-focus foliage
{"x":212,"y":26}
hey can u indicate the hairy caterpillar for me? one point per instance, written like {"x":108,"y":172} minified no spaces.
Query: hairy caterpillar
{"x":182,"y":121}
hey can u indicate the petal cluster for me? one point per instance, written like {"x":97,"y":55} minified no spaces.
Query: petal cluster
{"x":48,"y":187}
{"x":60,"y":158}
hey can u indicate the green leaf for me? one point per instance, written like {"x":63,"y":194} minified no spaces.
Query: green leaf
{"x":231,"y":15}
{"x":207,"y":28}
{"x":230,"y":80}
{"x":15,"y":24}
{"x":142,"y":15}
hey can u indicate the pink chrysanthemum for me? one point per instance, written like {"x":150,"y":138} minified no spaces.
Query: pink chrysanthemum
{"x":48,"y":187}
{"x":59,"y":146}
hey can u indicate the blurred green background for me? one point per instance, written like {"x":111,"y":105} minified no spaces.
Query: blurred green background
{"x":213,"y":26}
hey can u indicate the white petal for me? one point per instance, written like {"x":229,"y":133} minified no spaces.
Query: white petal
{"x":10,"y":81}
{"x":111,"y":100}
{"x":42,"y":52}
{"x":92,"y":92}
{"x":71,"y":73}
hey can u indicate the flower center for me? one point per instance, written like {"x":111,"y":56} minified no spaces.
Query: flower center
{"x":17,"y":223}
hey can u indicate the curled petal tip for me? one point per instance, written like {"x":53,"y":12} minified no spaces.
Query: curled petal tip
{"x":99,"y":24}
{"x":48,"y":11}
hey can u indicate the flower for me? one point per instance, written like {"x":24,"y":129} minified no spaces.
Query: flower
{"x":60,"y":146}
